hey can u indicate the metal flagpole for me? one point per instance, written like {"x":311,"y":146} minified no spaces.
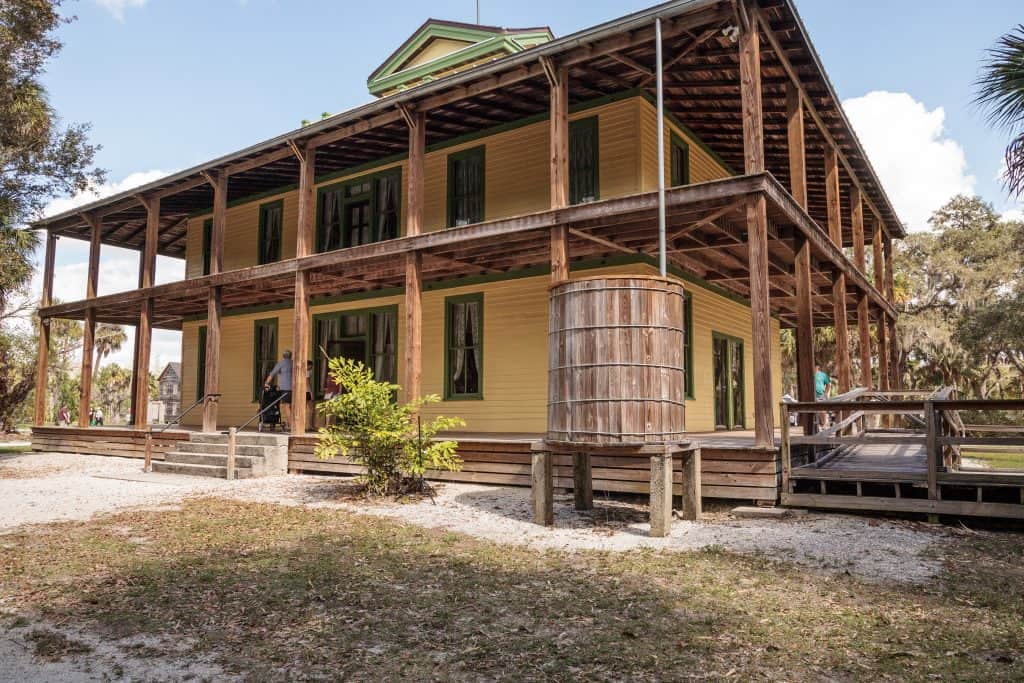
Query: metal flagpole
{"x":662,"y":259}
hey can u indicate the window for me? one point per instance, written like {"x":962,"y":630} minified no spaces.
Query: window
{"x":201,"y":364}
{"x":207,"y":240}
{"x":583,"y":161}
{"x":727,"y":357}
{"x":269,"y":242}
{"x":359,"y":211}
{"x":680,"y":162}
{"x":464,"y":328}
{"x":264,"y":353}
{"x":466,"y":187}
{"x":688,"y":343}
{"x":369,"y":336}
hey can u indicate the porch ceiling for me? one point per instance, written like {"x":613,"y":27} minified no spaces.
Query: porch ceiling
{"x":706,"y":238}
{"x":702,"y":91}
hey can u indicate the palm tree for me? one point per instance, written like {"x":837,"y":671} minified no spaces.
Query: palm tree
{"x":1001,"y":94}
{"x":108,"y":340}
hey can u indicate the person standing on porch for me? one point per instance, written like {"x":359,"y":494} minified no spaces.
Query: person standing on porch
{"x":822,"y":387}
{"x":283,"y":372}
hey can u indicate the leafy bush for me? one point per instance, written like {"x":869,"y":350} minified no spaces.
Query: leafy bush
{"x":390,"y":440}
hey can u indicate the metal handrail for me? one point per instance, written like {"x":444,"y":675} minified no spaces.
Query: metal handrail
{"x":259,"y":414}
{"x":177,"y":420}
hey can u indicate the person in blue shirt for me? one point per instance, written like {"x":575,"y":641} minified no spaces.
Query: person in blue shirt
{"x":283,"y":372}
{"x":822,"y":389}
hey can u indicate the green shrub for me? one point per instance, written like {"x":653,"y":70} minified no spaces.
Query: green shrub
{"x":390,"y":440}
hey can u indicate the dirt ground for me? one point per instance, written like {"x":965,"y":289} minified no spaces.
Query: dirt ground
{"x":38,"y":492}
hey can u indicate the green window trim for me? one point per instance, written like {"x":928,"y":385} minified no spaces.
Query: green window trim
{"x":452,"y":220}
{"x":584,"y":161}
{"x":270,"y":232}
{"x":259,"y":364}
{"x":207,"y":242}
{"x":450,"y":393}
{"x":679,"y":161}
{"x":736,"y":421}
{"x":688,"y":344}
{"x":201,"y":364}
{"x":317,"y":356}
{"x":377,"y":208}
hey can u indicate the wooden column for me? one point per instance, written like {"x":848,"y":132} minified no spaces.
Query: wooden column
{"x":542,"y":486}
{"x":661,"y":493}
{"x":757,"y":233}
{"x":413,"y":325}
{"x":413,"y":382}
{"x":213,"y":304}
{"x":804,"y":284}
{"x":582,"y":481}
{"x":558,"y":80}
{"x":134,"y":390}
{"x":863,"y":312}
{"x":144,"y":331}
{"x":89,"y":328}
{"x":796,"y":139}
{"x":835,"y":231}
{"x":43,"y":357}
{"x":304,"y":238}
{"x":895,"y":373}
{"x":881,"y":329}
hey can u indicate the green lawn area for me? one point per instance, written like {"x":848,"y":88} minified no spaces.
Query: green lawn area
{"x":278,"y":592}
{"x":997,"y":458}
{"x":9,"y":450}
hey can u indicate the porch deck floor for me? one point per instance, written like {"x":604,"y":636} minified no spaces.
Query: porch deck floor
{"x":862,"y":460}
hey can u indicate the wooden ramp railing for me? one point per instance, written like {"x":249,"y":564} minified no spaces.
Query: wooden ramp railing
{"x":905,"y":452}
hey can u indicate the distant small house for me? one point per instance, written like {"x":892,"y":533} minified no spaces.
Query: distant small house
{"x":170,"y":390}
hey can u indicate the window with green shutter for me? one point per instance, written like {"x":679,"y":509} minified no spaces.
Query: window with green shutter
{"x":369,"y":336}
{"x":264,"y":353}
{"x":464,"y":347}
{"x":680,"y":161}
{"x":207,"y":239}
{"x":466,"y":187}
{"x":583,"y":161}
{"x":201,"y":364}
{"x":688,"y":344}
{"x":270,"y":227}
{"x":359,"y":211}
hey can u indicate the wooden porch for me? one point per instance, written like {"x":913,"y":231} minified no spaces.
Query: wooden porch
{"x":732,"y":466}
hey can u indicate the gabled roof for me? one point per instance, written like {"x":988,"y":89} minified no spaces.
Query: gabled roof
{"x":174,"y":368}
{"x":440,"y":47}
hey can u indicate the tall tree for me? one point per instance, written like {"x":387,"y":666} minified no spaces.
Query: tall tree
{"x":108,"y":339}
{"x":1001,"y":94}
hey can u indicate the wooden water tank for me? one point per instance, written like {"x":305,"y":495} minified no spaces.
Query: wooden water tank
{"x":615,"y":361}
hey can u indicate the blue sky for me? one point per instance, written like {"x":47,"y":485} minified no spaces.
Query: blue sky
{"x":167,"y":84}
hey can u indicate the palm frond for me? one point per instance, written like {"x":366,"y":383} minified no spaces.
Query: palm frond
{"x":1001,"y":84}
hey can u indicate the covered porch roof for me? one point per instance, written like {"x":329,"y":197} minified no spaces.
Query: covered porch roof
{"x":702,"y":87}
{"x":706,"y":231}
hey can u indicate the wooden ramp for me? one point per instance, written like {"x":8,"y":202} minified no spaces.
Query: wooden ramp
{"x":857,"y":465}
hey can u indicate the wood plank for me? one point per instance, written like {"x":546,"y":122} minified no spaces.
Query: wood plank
{"x":212,"y":379}
{"x":413,"y":325}
{"x":920,"y":505}
{"x":43,"y":357}
{"x":300,"y":354}
{"x":416,"y":175}
{"x":85,"y":379}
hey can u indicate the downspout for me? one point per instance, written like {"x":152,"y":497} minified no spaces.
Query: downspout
{"x":662,"y":258}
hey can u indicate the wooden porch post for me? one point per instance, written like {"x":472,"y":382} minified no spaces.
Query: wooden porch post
{"x":213,"y":303}
{"x":757,"y":232}
{"x":89,"y":330}
{"x":304,"y":237}
{"x":804,"y":285}
{"x":835,"y":231}
{"x":43,"y":357}
{"x":144,"y":331}
{"x":878,"y":266}
{"x":863,"y":313}
{"x":134,"y":390}
{"x":417,"y":121}
{"x":558,"y":79}
{"x":895,"y":375}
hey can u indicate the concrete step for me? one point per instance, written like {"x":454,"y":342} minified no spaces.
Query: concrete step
{"x":193,"y":458}
{"x":243,"y":439}
{"x":222,"y":449}
{"x":200,"y":470}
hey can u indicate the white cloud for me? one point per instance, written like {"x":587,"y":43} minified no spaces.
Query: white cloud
{"x":117,"y":7}
{"x":919,"y":165}
{"x":62,"y":204}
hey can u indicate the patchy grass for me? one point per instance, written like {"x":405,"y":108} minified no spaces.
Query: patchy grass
{"x":53,"y":646}
{"x":13,"y":450}
{"x":279,"y":592}
{"x":996,"y":458}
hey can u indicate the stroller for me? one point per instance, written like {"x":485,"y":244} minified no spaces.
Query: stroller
{"x":270,"y":410}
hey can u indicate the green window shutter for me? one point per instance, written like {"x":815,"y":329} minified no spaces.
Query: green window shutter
{"x":680,"y":162}
{"x":270,"y":227}
{"x":464,"y":346}
{"x":207,"y":240}
{"x":369,"y":336}
{"x":584,"y":161}
{"x":264,"y":353}
{"x":688,"y":344}
{"x":201,"y":364}
{"x":466,"y":187}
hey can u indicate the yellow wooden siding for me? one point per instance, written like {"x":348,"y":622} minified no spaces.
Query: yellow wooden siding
{"x":703,"y":166}
{"x":516,"y":182}
{"x":435,"y":49}
{"x":514,"y":356}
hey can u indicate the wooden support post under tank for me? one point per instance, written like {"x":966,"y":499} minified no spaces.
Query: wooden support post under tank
{"x":542,"y":487}
{"x":661,"y":493}
{"x":583,"y":483}
{"x":691,"y":509}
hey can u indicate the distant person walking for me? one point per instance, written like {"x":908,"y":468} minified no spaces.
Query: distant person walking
{"x":99,"y":417}
{"x":283,"y":372}
{"x":64,"y":417}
